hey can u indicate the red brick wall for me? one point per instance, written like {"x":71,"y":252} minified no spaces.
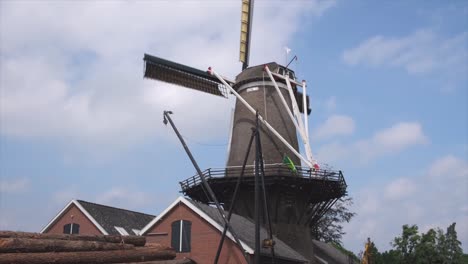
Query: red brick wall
{"x":86,"y":226}
{"x":204,"y":238}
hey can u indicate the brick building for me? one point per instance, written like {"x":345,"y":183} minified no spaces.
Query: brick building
{"x":193,"y":229}
{"x":81,"y":217}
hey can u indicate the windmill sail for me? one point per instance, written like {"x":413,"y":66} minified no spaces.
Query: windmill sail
{"x":175,"y":73}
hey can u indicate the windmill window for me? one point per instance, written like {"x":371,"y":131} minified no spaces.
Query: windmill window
{"x":121,"y":230}
{"x":280,"y":71}
{"x":71,"y":229}
{"x":181,"y":235}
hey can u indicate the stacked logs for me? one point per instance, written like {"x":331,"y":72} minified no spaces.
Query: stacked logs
{"x":31,"y":248}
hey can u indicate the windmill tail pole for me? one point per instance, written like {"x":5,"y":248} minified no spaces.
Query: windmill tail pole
{"x":204,"y":182}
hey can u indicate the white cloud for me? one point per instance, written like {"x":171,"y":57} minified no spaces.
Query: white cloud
{"x":80,"y":80}
{"x":14,"y":185}
{"x":390,"y":140}
{"x":399,"y":189}
{"x":335,"y":125}
{"x":399,"y":136}
{"x":421,"y":52}
{"x":124,"y":198}
{"x":448,"y":167}
{"x":423,"y":200}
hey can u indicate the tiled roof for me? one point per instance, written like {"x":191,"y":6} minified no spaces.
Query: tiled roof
{"x":245,"y":230}
{"x":110,"y":217}
{"x":330,"y":253}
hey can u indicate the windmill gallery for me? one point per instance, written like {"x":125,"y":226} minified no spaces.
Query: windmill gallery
{"x":262,"y":206}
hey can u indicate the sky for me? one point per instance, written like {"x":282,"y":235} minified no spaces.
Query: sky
{"x":388,"y":83}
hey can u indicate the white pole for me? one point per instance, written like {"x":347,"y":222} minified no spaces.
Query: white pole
{"x":304,"y":106}
{"x":303,"y":129}
{"x":285,"y":104}
{"x":305,"y":140}
{"x":286,"y":143}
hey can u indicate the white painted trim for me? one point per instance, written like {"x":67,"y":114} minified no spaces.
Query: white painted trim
{"x":202,"y":214}
{"x":260,"y":84}
{"x":121,"y":230}
{"x":180,"y":235}
{"x":77,"y":204}
{"x":103,"y":231}
{"x":321,"y":259}
{"x":136,"y":231}
{"x":57,"y":216}
{"x":157,"y":218}
{"x":230,"y":136}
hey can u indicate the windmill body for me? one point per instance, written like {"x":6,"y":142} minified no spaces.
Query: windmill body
{"x":298,"y":196}
{"x":257,"y":89}
{"x":296,"y":200}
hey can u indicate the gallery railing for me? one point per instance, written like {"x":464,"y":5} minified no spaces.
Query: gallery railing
{"x":270,"y":170}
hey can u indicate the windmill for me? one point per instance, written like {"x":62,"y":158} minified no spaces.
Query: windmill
{"x":298,"y":195}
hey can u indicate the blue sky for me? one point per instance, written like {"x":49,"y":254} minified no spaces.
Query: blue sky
{"x":387,"y":80}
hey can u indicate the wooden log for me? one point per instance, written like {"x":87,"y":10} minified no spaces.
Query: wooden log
{"x":12,"y":245}
{"x":138,"y":241}
{"x":91,"y":257}
{"x":174,"y":261}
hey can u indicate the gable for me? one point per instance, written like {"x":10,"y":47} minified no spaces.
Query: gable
{"x":204,"y":236}
{"x":198,"y":212}
{"x":244,"y":228}
{"x":117,"y":221}
{"x":71,"y":214}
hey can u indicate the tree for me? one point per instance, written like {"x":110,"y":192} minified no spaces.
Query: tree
{"x":388,"y":257}
{"x":453,"y":246}
{"x":426,"y":251}
{"x":406,"y":244}
{"x":432,"y":247}
{"x":330,"y":227}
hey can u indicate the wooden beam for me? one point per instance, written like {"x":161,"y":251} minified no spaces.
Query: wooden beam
{"x":137,"y":241}
{"x":89,"y":257}
{"x":16,"y":245}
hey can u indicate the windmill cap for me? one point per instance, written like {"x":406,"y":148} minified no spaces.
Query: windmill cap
{"x":256,"y":73}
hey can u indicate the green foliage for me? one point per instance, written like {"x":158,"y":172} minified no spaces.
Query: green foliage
{"x":452,"y":245}
{"x":329,"y":228}
{"x":464,"y":259}
{"x":406,"y":244}
{"x":432,"y":247}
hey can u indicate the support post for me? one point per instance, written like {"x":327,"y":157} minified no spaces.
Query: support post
{"x":265,"y":199}
{"x":204,"y":182}
{"x":257,"y":192}
{"x":234,"y":197}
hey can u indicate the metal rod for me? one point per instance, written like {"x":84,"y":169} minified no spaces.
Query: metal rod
{"x":234,"y":197}
{"x":295,"y":57}
{"x":265,"y":199}
{"x":204,"y":182}
{"x":257,"y":192}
